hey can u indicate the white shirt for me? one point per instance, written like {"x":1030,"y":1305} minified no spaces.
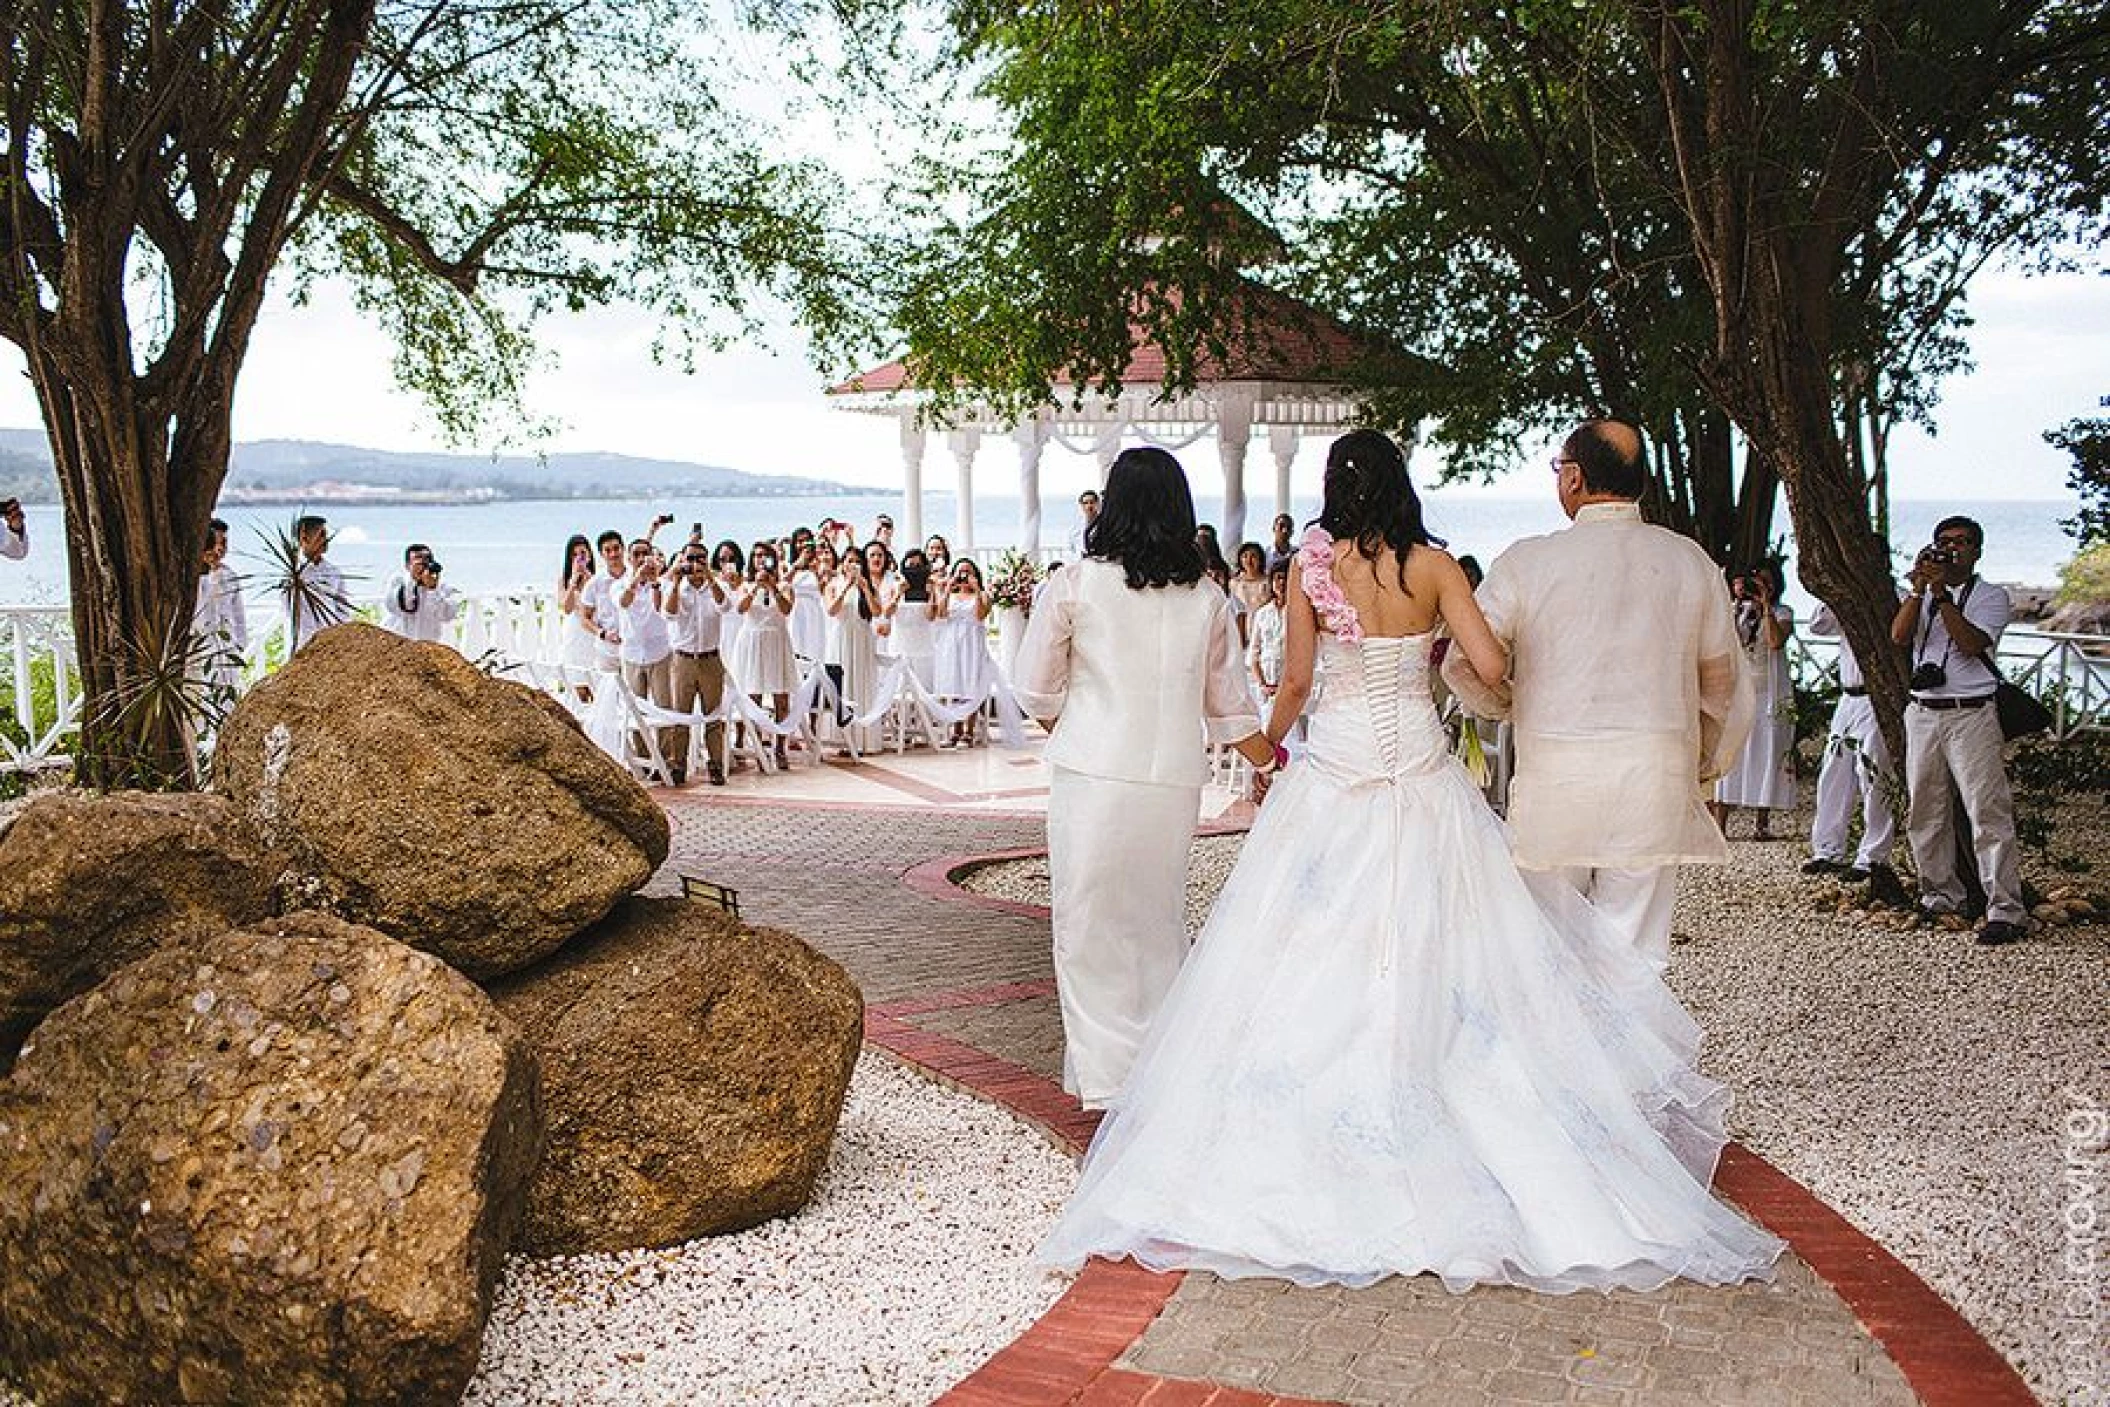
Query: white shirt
{"x":646,"y":639}
{"x":321,"y":605}
{"x":1628,"y":691}
{"x":1137,"y":678}
{"x":221,"y":617}
{"x":14,"y":544}
{"x":1970,"y":677}
{"x":694,"y":623}
{"x":416,"y":613}
{"x":598,"y":596}
{"x":1267,"y":636}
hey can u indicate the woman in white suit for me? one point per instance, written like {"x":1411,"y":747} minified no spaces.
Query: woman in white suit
{"x":1132,"y":661}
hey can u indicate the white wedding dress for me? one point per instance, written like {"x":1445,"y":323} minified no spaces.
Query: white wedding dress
{"x":1391,"y":1053}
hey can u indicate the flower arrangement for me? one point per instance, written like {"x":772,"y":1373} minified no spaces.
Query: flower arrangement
{"x":1315,"y":561}
{"x":1012,"y":579}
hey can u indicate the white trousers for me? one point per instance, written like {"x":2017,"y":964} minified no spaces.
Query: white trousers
{"x":1856,"y":763}
{"x":1637,"y":903}
{"x":1953,"y":754}
{"x":1117,"y":866}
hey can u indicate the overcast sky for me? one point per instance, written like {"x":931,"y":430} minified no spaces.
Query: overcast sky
{"x":2042,"y":347}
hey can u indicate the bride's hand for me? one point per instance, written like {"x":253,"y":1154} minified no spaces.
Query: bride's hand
{"x":1257,"y":792}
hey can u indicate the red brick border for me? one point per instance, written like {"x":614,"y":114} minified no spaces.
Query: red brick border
{"x":1947,"y":1362}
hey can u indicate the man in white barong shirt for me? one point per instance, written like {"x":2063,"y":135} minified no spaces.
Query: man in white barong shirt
{"x":314,"y":591}
{"x":1856,"y":767}
{"x":1627,"y":692}
{"x":14,"y":531}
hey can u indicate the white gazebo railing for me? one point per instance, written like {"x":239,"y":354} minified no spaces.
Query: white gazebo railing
{"x":40,"y":709}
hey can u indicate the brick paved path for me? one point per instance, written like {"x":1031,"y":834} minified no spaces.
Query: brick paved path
{"x":964,"y":986}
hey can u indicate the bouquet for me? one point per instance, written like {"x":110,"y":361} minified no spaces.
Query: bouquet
{"x":1012,"y":579}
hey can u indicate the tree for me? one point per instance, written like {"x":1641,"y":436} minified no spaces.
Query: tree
{"x":469,"y":167}
{"x":2088,"y":441}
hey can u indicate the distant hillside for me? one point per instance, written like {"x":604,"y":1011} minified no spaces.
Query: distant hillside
{"x":297,"y":470}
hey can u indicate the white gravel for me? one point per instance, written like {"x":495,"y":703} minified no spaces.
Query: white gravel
{"x":1948,"y":1099}
{"x":910,"y":1267}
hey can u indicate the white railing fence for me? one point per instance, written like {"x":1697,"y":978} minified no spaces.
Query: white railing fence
{"x":40,"y":709}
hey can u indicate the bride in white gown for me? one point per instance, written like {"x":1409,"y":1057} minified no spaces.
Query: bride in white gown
{"x":1391,"y":1053}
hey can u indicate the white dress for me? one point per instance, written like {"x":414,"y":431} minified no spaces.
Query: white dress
{"x":809,"y":617}
{"x":1389,"y":1054}
{"x":962,"y":665}
{"x":916,"y":640}
{"x":762,"y":662}
{"x":1764,"y":773}
{"x":854,"y":649}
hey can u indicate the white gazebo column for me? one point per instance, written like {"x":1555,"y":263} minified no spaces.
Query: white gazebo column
{"x":1106,"y":445}
{"x":966,"y":441}
{"x":912,"y":439}
{"x":1234,"y":432}
{"x":1031,"y":438}
{"x":1282,"y":442}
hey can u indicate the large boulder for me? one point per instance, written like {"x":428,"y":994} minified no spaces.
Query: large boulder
{"x":456,"y":812}
{"x":693,"y":1070}
{"x":281,"y":1166}
{"x":89,"y":883}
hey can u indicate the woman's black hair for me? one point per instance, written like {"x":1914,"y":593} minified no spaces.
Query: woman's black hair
{"x":573,"y":544}
{"x":1146,"y":521}
{"x":1211,"y":547}
{"x":739,"y":557}
{"x":1370,"y":501}
{"x":864,"y":575}
{"x":915,"y":575}
{"x":953,"y":569}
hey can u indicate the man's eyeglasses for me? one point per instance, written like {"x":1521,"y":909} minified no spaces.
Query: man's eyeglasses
{"x":1561,"y":461}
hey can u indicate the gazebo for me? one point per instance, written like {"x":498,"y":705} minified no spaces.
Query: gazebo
{"x":1285,"y":375}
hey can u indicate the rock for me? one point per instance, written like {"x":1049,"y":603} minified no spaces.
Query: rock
{"x":91,"y":882}
{"x":693,"y":1069}
{"x":281,"y":1165}
{"x":461,"y":814}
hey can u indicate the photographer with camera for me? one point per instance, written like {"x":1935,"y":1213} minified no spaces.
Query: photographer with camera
{"x":417,"y":607}
{"x":1951,"y":622}
{"x":695,"y":606}
{"x":1763,"y":777}
{"x":14,"y":531}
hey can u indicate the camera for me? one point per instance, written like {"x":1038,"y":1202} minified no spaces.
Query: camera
{"x":1935,"y":552}
{"x":1927,"y":676}
{"x":432,"y":565}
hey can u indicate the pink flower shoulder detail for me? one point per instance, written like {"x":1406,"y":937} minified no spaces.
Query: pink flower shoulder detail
{"x":1315,"y":561}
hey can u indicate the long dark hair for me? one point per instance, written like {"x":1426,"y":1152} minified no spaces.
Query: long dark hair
{"x":1146,"y":521}
{"x":577,"y":541}
{"x":1370,"y":501}
{"x":864,"y":577}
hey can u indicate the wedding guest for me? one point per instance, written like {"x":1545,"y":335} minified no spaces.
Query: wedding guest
{"x":1206,"y":543}
{"x":1763,"y":776}
{"x":314,"y":591}
{"x":852,"y":647}
{"x":1281,"y":550}
{"x":1856,"y":762}
{"x":915,"y":636}
{"x":764,"y":667}
{"x":695,"y":607}
{"x":1129,"y":662}
{"x":1267,"y":633}
{"x":939,"y":551}
{"x":1952,"y":623}
{"x":1087,"y":514}
{"x":810,"y":573}
{"x":883,"y":533}
{"x":416,"y":606}
{"x":597,"y":604}
{"x":581,"y":645}
{"x":729,"y":565}
{"x":880,"y":570}
{"x":220,"y":622}
{"x":647,"y":651}
{"x":14,"y":530}
{"x":964,"y":667}
{"x":1629,"y":692}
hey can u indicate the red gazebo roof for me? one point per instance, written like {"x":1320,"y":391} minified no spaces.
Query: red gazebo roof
{"x":1279,"y":339}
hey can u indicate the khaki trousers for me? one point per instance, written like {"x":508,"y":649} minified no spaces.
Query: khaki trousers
{"x":700,"y":679}
{"x":1636,"y":902}
{"x":655,"y":681}
{"x":1951,"y":755}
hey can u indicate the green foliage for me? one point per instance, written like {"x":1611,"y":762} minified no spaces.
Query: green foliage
{"x":2058,"y":784}
{"x":2085,"y":579}
{"x":2088,"y":441}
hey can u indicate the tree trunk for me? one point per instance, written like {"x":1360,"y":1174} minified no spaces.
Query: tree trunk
{"x":135,"y":526}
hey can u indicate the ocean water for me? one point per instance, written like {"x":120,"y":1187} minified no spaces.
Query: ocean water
{"x":510,"y":546}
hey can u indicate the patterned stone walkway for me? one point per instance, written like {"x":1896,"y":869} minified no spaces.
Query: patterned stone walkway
{"x":961,"y":985}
